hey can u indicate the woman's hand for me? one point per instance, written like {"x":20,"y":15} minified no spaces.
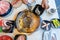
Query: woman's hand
{"x":44,"y":4}
{"x":25,"y":1}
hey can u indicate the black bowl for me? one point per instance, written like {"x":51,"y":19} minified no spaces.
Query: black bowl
{"x":17,"y":36}
{"x":38,"y":10}
{"x":57,"y":24}
{"x":10,"y":24}
{"x":47,"y":25}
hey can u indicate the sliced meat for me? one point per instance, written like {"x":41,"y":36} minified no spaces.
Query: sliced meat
{"x":4,"y":6}
{"x":21,"y":38}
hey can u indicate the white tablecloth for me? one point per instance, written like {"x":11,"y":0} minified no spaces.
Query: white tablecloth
{"x":37,"y":35}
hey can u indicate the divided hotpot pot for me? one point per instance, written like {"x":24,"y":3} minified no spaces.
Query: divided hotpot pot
{"x":27,"y":21}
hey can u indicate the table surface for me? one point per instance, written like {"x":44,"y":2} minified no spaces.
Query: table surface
{"x":37,"y":35}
